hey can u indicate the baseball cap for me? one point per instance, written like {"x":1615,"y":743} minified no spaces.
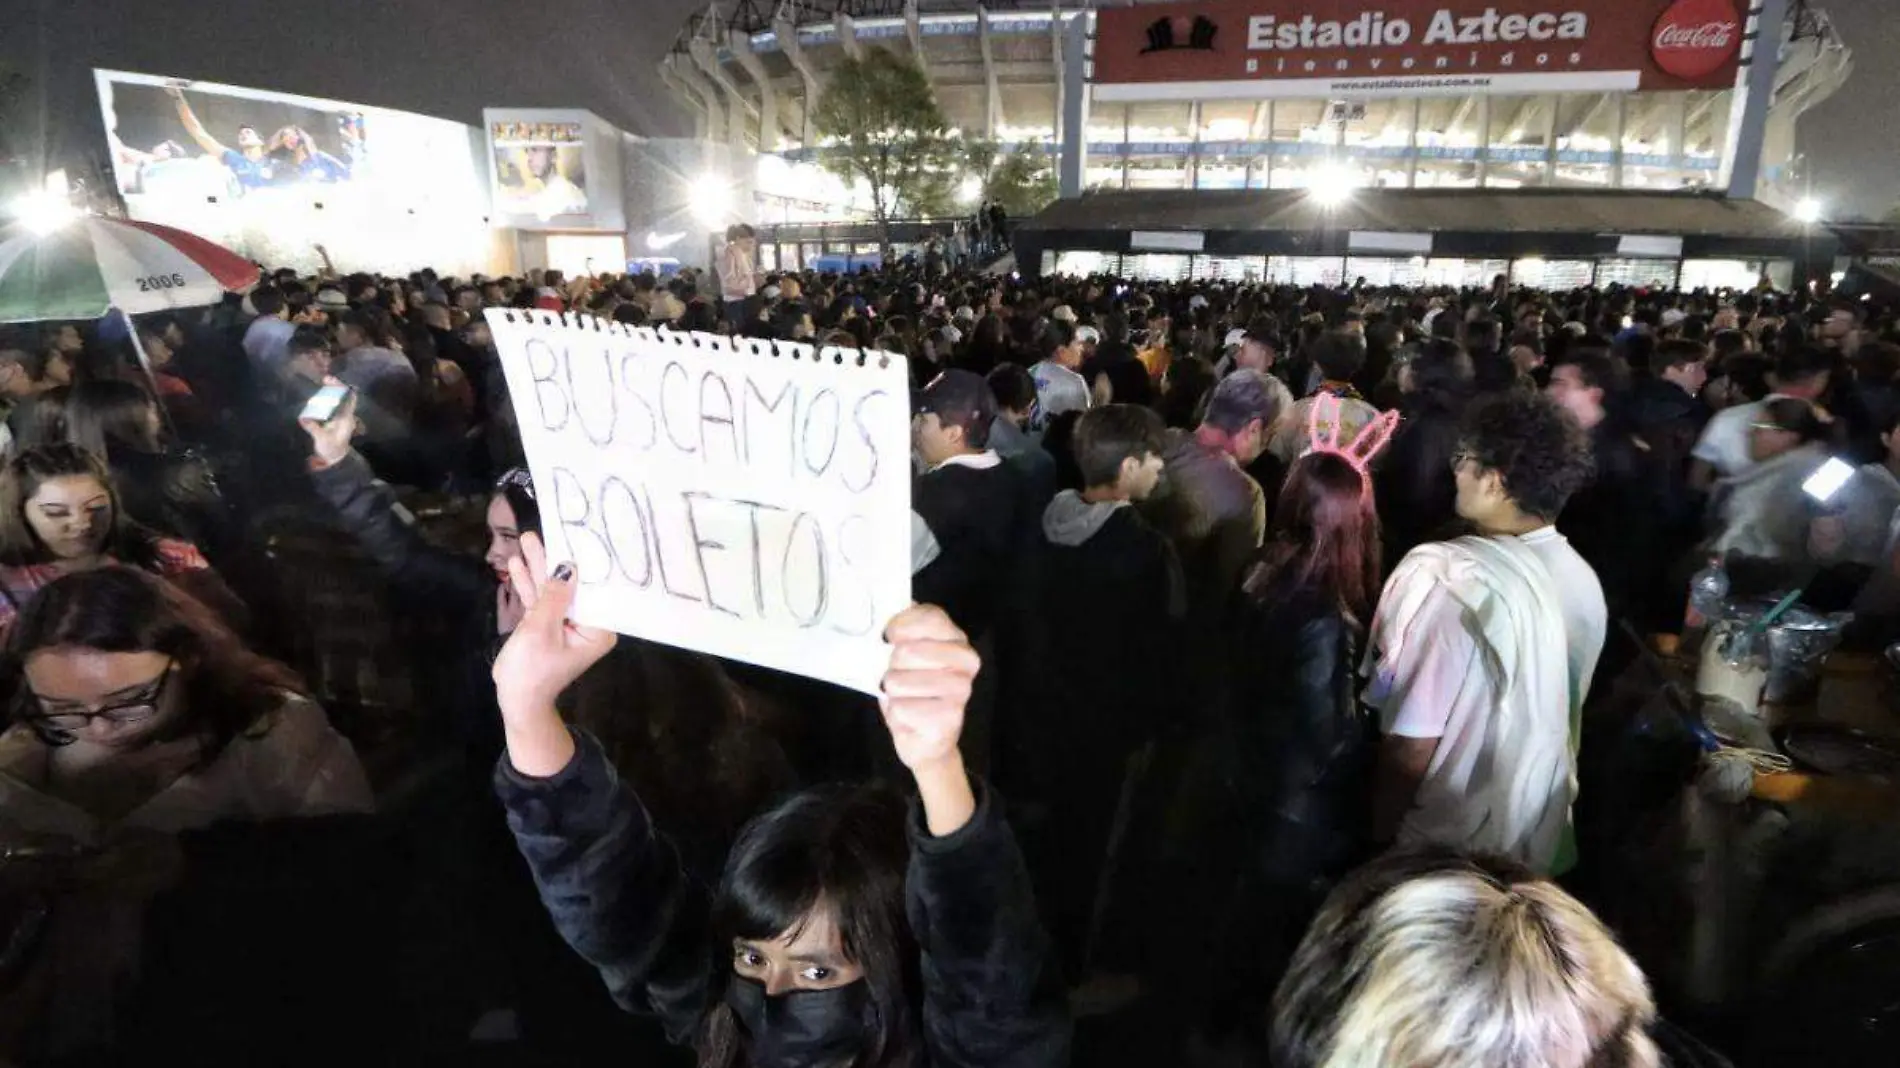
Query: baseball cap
{"x":1234,"y":337}
{"x":769,"y":292}
{"x":332,"y":299}
{"x":1197,"y":301}
{"x":1674,"y":316}
{"x":1088,"y":335}
{"x":958,"y":398}
{"x":1064,"y":313}
{"x":964,"y":314}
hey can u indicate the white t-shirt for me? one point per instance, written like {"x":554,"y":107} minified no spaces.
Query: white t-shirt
{"x":1503,"y":775}
{"x":1058,"y":390}
{"x":1724,"y":441}
{"x":1586,"y":616}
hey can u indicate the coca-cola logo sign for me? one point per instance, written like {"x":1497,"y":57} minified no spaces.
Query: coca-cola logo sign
{"x":1694,"y":38}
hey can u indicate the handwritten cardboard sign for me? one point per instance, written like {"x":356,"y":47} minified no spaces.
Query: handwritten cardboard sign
{"x":742,"y":497}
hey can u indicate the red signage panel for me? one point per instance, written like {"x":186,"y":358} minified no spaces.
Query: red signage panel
{"x":1343,"y":48}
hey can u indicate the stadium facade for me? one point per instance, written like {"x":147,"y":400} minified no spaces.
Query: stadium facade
{"x":1648,"y":96}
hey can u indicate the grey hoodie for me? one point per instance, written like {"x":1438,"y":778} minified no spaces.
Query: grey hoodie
{"x":1069,"y":520}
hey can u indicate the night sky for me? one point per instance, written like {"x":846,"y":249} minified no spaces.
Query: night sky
{"x":601,"y":55}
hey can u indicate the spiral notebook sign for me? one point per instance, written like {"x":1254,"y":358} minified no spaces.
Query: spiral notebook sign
{"x":741,"y":497}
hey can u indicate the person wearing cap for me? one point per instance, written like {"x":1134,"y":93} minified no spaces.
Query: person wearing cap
{"x":963,"y":506}
{"x":1258,"y":347}
{"x":1208,"y":506}
{"x":1059,"y":386}
{"x":1099,"y":673}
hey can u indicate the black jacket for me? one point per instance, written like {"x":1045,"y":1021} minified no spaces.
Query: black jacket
{"x":992,"y":999}
{"x":444,"y":584}
{"x":1615,"y":522}
{"x":1110,"y":609}
{"x":1298,"y":747}
{"x":1415,"y":489}
{"x":973,"y":514}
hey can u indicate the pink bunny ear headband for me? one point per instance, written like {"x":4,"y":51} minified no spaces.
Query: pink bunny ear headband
{"x":1322,"y":431}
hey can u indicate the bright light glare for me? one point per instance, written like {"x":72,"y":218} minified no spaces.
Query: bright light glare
{"x":44,"y":212}
{"x":970,"y":188}
{"x":1809,"y":210}
{"x":712,"y":200}
{"x":1332,"y":185}
{"x":657,"y":242}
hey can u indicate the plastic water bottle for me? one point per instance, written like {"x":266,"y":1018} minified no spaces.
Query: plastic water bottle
{"x":1708,"y":601}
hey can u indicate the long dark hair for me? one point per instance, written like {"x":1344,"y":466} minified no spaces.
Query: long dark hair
{"x":844,"y":846}
{"x":126,"y":541}
{"x":227,"y":688}
{"x":106,"y":412}
{"x":1325,"y":539}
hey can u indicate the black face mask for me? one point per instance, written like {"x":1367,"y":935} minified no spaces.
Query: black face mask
{"x":802,"y":1029}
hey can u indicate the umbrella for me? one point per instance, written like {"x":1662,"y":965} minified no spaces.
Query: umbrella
{"x":94,"y":264}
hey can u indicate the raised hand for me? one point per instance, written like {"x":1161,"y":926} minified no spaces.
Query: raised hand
{"x":932,"y":671}
{"x":330,"y":441}
{"x":543,"y":657}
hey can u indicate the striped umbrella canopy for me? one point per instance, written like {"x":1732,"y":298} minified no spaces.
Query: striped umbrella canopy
{"x":92,"y":264}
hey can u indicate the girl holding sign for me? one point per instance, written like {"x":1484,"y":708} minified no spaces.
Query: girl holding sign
{"x":843,"y":931}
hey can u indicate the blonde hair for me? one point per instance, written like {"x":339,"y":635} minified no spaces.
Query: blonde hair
{"x":1431,"y":959}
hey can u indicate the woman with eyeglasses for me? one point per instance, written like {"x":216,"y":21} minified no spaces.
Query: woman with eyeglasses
{"x":60,"y":513}
{"x":137,"y":708}
{"x":136,"y":716}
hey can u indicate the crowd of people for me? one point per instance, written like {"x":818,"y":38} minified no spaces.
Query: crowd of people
{"x":1238,"y":722}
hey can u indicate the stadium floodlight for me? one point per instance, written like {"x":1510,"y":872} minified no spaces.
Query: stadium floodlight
{"x":43,"y":212}
{"x":1809,"y":210}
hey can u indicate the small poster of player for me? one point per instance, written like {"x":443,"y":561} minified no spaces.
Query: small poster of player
{"x":171,"y":139}
{"x":538,"y":168}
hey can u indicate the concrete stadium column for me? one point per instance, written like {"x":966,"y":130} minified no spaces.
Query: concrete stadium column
{"x":770,"y":121}
{"x":1194,"y":145}
{"x":848,"y":35}
{"x":740,"y":109}
{"x":1411,"y":144}
{"x":709,"y":97}
{"x":914,"y":30}
{"x":1484,"y":142}
{"x":992,"y":96}
{"x":1617,"y":133}
{"x":1072,"y":50}
{"x":690,"y":98}
{"x":1740,"y":173}
{"x":1550,"y":140}
{"x":794,"y":51}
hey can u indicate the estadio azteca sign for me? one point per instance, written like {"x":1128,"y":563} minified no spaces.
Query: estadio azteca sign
{"x":1334,"y":48}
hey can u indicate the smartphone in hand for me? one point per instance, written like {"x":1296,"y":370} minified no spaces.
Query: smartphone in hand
{"x":325,"y":403}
